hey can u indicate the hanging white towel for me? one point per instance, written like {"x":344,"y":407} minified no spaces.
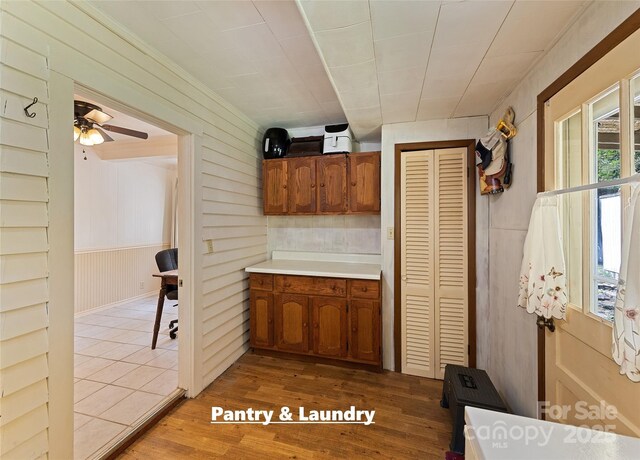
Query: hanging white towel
{"x":543,"y":284}
{"x":626,"y":323}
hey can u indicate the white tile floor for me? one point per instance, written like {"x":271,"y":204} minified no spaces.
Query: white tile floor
{"x":118,"y":377}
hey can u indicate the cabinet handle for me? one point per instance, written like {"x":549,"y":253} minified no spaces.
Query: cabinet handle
{"x":316,"y":325}
{"x":364,"y":289}
{"x":313,"y":185}
{"x":354,"y":329}
{"x":260,"y":282}
{"x":287,"y":285}
{"x":304,"y":324}
{"x":353,"y":184}
{"x":321,"y":184}
{"x":284,"y":186}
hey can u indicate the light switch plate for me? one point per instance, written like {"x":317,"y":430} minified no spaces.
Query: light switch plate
{"x":390,"y":233}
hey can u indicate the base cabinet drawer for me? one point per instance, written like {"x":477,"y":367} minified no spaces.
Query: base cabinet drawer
{"x":311,"y":285}
{"x":364,"y":289}
{"x":260,"y":281}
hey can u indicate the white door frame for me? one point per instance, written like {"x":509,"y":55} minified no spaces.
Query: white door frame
{"x":61,"y":245}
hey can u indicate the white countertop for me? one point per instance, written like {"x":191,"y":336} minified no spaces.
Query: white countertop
{"x":355,"y":266}
{"x":498,"y":436}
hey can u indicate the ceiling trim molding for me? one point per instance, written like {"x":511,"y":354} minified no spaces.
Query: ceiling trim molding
{"x":322,"y":59}
{"x":162,"y":146}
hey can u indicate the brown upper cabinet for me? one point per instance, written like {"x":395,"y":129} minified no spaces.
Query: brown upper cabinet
{"x":274,"y":186}
{"x":330,"y":184}
{"x":302,"y":186}
{"x":332,"y":176}
{"x":364,"y":182}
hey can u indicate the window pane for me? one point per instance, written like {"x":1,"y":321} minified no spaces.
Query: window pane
{"x":605,"y":204}
{"x":606,"y":137}
{"x":608,"y":253}
{"x":635,"y":107}
{"x":569,"y":169}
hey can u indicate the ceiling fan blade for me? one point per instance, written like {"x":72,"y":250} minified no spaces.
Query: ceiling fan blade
{"x":125,"y":131}
{"x":104,"y":135}
{"x":98,"y":116}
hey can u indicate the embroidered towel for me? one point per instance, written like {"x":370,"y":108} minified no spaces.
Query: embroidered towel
{"x":626,"y":323}
{"x":543,"y":285}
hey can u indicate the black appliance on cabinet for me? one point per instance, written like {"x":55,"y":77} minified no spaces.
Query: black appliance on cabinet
{"x":275,"y":143}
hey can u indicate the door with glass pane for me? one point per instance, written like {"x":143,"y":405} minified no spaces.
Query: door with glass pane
{"x":592,"y":135}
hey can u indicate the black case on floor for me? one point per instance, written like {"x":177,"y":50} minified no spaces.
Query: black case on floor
{"x":464,"y":386}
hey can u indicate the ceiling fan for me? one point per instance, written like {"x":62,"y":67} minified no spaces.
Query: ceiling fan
{"x":89,"y":125}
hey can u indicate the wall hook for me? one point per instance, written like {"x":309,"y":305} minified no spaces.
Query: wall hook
{"x":26,"y":109}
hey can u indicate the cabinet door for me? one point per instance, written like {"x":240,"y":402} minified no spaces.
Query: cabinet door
{"x":292,"y":322}
{"x":274,"y":186}
{"x":332,"y":178}
{"x":261,"y":311}
{"x":364,"y":337}
{"x":330,"y":325}
{"x":364,"y":182}
{"x":302,"y":185}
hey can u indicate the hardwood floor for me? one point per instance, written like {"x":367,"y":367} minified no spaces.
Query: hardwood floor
{"x":409,"y":422}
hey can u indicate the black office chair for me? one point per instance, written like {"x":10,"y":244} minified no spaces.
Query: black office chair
{"x":168,"y":260}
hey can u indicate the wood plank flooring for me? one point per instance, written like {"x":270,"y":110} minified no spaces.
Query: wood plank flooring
{"x":409,"y":422}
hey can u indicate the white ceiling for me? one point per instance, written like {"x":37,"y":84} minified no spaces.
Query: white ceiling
{"x":257,"y":55}
{"x":399,"y":61}
{"x":389,"y":61}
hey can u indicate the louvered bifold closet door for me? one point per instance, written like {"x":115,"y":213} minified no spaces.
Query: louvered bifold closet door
{"x":417,"y":263}
{"x":451,"y":254}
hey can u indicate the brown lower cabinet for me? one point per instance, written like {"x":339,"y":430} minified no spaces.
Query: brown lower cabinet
{"x":292,"y":322}
{"x":328,"y":317}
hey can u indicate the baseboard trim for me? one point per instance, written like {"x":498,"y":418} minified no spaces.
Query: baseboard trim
{"x":119,"y":303}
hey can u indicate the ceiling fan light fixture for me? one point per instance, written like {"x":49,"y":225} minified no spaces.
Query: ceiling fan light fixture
{"x":76,"y":133}
{"x":85,"y":139}
{"x":95,"y":136}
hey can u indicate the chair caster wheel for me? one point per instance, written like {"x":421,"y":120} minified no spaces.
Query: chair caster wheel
{"x":172,"y":323}
{"x":173,"y":334}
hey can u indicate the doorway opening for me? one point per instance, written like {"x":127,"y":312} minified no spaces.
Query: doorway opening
{"x":125,"y":229}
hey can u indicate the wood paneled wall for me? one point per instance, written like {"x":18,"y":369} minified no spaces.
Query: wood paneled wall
{"x":24,"y":265}
{"x":39,"y":38}
{"x":114,"y":275}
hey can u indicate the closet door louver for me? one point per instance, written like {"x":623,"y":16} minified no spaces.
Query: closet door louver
{"x":451,"y":254}
{"x":417,"y":263}
{"x":434,"y":261}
